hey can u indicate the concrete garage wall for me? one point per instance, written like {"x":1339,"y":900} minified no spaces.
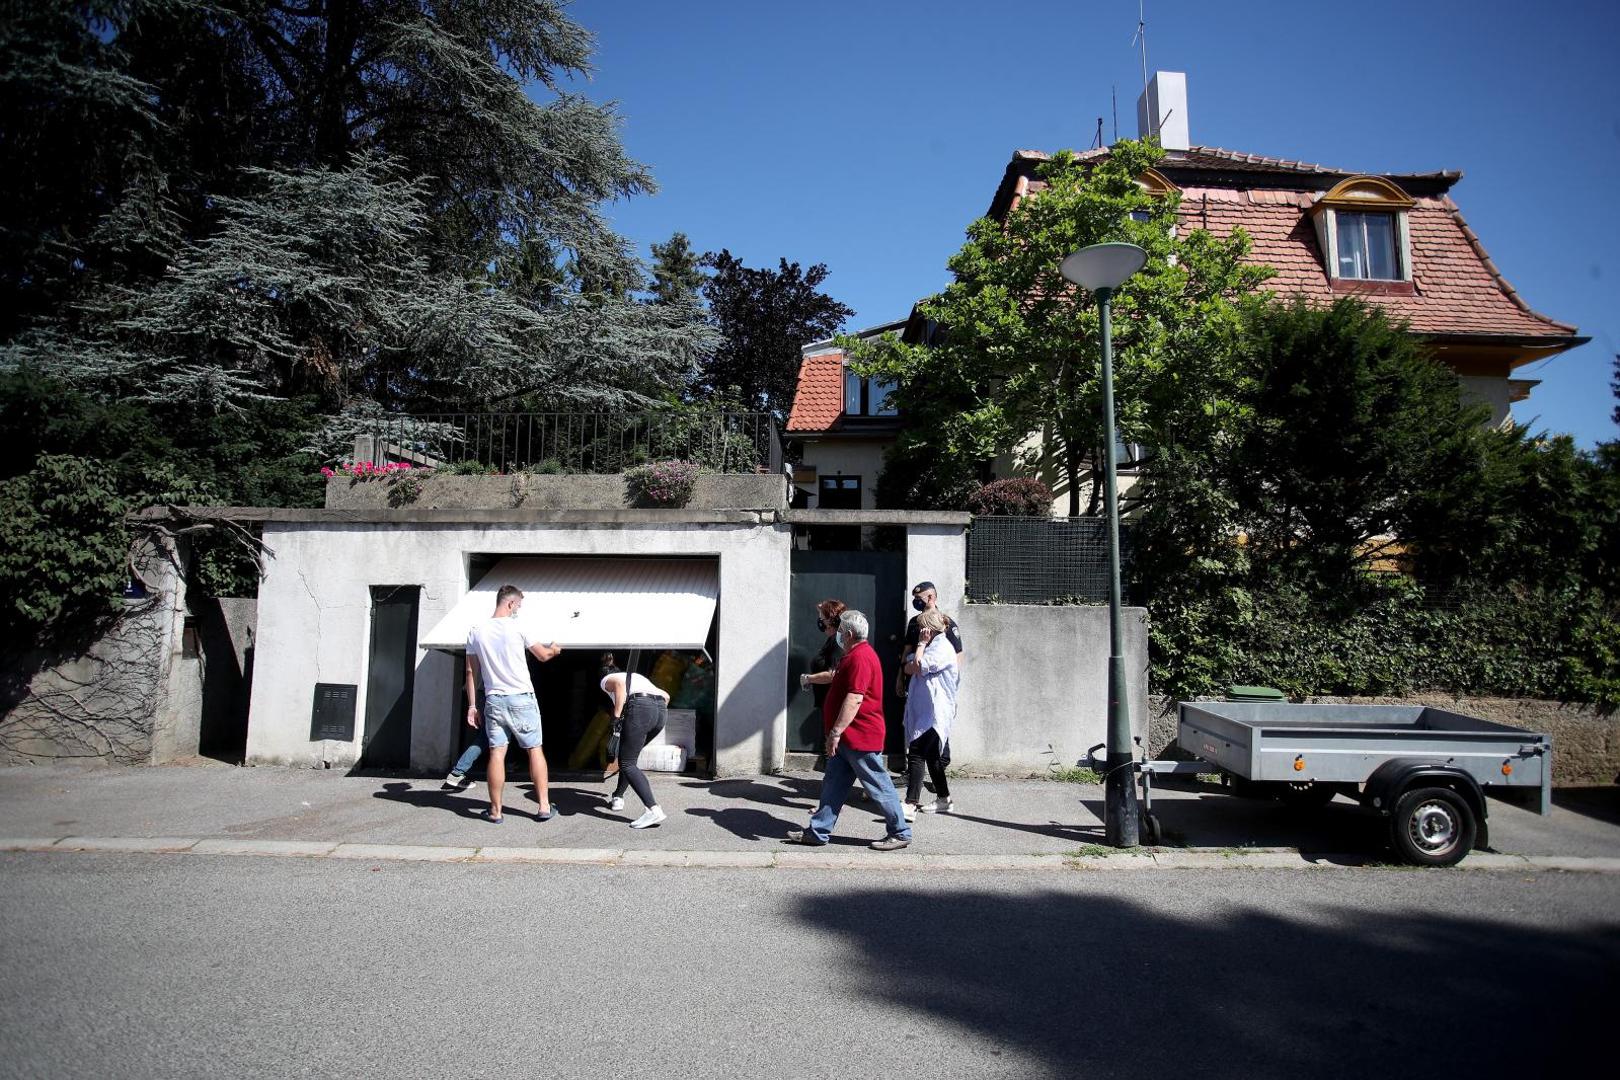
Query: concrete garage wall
{"x":1035,"y":685}
{"x":315,"y":601}
{"x":713,"y":491}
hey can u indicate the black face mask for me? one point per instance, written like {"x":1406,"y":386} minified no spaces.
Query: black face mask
{"x":917,"y":602}
{"x":821,"y":624}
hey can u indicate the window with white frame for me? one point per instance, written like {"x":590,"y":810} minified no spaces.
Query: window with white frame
{"x":1368,"y":246}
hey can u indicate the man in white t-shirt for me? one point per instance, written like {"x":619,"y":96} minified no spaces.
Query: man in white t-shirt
{"x":495,"y":651}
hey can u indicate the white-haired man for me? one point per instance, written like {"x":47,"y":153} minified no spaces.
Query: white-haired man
{"x":852,"y":717}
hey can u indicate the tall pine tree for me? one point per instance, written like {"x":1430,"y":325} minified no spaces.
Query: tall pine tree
{"x":377,"y":199}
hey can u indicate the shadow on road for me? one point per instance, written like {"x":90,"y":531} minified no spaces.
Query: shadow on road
{"x":793,"y":792}
{"x":1599,"y":803}
{"x":464,"y":803}
{"x":1098,"y":985}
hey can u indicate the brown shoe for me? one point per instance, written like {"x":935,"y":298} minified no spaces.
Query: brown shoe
{"x":890,"y":843}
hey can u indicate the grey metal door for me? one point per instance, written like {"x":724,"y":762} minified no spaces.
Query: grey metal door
{"x":871,"y":582}
{"x":391,"y":677}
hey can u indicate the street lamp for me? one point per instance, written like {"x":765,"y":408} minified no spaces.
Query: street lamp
{"x":1100,"y":269}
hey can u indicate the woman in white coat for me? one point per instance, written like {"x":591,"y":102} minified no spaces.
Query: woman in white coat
{"x":930,"y":709}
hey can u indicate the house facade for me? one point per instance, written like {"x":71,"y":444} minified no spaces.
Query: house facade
{"x":1397,"y":240}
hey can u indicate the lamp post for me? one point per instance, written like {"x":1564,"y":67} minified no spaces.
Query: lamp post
{"x":1100,"y":269}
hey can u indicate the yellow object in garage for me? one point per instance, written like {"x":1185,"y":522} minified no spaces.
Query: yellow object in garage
{"x":592,"y":743}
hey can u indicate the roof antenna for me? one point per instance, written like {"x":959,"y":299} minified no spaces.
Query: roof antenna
{"x":1113,"y":92}
{"x":1096,"y":144}
{"x":1141,"y":39}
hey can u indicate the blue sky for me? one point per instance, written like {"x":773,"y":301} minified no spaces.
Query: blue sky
{"x":868,"y":135}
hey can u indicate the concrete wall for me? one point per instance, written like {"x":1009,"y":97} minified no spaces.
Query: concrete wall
{"x":1586,"y":740}
{"x":938,"y":553}
{"x":713,"y":491}
{"x":1035,"y":685}
{"x":314,"y":619}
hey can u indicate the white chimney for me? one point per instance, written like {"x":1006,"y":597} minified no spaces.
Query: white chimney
{"x":1162,"y":110}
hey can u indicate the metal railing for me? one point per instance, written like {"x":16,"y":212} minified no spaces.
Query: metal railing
{"x":1039,"y":560}
{"x":581,"y":442}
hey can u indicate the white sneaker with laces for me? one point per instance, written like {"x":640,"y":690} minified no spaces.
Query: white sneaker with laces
{"x":653,"y":816}
{"x":911,"y":811}
{"x":939,"y":806}
{"x":616,"y":803}
{"x":456,"y":779}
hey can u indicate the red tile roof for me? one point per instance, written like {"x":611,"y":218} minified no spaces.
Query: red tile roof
{"x":819,"y":400}
{"x":1456,"y":289}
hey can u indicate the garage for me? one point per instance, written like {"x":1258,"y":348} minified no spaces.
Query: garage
{"x":657,"y":615}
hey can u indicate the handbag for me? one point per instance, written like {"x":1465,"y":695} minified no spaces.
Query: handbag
{"x":613,"y":741}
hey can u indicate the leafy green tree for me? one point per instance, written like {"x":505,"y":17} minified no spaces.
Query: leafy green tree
{"x":1356,"y":441}
{"x":1017,"y":354}
{"x":764,"y":318}
{"x":62,"y":548}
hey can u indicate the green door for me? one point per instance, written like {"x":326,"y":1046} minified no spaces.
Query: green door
{"x":871,"y":582}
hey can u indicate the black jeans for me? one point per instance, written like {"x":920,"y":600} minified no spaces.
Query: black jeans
{"x":643,"y":719}
{"x":925,"y":749}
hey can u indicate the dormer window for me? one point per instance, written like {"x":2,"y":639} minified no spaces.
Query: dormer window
{"x":867,"y":396}
{"x":1361,"y":227}
{"x":1367,"y":246}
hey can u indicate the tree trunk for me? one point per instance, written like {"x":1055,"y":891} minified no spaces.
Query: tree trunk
{"x":331,"y":109}
{"x":1071,"y":464}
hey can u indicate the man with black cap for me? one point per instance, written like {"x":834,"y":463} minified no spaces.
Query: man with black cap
{"x":924,"y":597}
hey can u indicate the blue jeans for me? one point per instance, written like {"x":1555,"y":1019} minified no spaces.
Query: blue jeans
{"x":514,"y":717}
{"x":843,"y":768}
{"x":469,"y":757}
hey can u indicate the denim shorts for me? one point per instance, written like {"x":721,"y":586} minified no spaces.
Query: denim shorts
{"x":517,"y":715}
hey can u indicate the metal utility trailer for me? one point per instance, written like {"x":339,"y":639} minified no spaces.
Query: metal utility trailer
{"x":1426,"y":770}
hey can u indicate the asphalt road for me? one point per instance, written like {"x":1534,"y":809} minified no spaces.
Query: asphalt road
{"x":177,"y":966}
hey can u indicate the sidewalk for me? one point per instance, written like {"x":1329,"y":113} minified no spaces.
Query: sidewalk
{"x":1001,"y":823}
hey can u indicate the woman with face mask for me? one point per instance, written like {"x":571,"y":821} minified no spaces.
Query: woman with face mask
{"x":930,"y":710}
{"x":826,"y":659}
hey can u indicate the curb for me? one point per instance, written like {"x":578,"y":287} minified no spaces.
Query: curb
{"x":843,"y":859}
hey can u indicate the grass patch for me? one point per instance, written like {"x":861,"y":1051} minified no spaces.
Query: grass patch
{"x":1085,"y":850}
{"x":1073,"y":775}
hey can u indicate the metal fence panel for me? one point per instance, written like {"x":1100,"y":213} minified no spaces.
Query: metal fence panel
{"x":601,"y":442}
{"x":1025,"y":560}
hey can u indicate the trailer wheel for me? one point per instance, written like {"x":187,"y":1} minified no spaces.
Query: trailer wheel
{"x":1151,"y":832}
{"x":1432,"y":826}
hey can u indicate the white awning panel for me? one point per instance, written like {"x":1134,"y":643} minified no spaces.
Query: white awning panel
{"x":595,"y":603}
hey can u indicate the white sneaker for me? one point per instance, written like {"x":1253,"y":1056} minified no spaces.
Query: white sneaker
{"x":939,"y":806}
{"x":456,"y":779}
{"x":911,"y":811}
{"x":653,"y":816}
{"x":616,"y":803}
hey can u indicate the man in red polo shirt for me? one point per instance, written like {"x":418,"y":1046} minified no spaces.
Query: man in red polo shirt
{"x":852,"y":717}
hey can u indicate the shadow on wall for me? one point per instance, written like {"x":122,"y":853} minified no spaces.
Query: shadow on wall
{"x":1098,"y":986}
{"x":764,"y":681}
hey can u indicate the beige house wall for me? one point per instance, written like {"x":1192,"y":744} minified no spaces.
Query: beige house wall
{"x":845,"y":457}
